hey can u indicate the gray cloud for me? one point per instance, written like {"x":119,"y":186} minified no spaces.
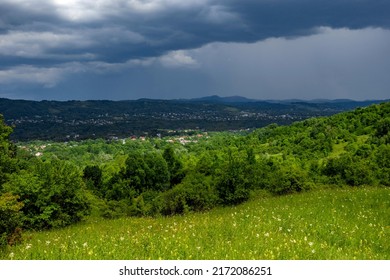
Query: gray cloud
{"x":126,"y":43}
{"x":122,"y":30}
{"x":333,"y":63}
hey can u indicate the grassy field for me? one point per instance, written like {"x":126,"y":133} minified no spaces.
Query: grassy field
{"x":348,"y":223}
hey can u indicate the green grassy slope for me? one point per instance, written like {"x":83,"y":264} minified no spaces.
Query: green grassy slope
{"x":344,"y":223}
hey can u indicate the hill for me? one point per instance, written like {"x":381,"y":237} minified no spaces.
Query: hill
{"x":64,"y":121}
{"x":314,"y":226}
{"x":48,"y":185}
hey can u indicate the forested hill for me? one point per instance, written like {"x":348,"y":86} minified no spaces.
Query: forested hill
{"x":55,"y":120}
{"x":53,"y":184}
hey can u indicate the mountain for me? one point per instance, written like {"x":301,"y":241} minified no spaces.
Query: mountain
{"x":219,"y":99}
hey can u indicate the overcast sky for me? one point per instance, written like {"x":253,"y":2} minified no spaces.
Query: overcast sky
{"x":130,"y":49}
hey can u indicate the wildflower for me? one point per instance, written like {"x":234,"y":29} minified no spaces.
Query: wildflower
{"x":48,"y":242}
{"x":266,"y":234}
{"x":122,"y":238}
{"x":313,"y":251}
{"x":28,"y":246}
{"x":85,"y":245}
{"x":11,"y":255}
{"x":311,"y":244}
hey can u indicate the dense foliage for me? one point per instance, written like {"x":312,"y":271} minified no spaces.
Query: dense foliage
{"x":46,"y":185}
{"x":52,"y":194}
{"x":9,"y":205}
{"x":10,"y":231}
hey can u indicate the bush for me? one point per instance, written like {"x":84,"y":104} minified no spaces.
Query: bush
{"x":382,"y":159}
{"x":350,"y":170}
{"x":193,"y":194}
{"x":234,"y":182}
{"x":10,"y":219}
{"x":53,"y":194}
{"x":288,"y":179}
{"x":114,"y":209}
{"x":92,"y":175}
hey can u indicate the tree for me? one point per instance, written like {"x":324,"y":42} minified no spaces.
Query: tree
{"x":233,"y":183}
{"x":93,"y":176}
{"x":134,"y":171}
{"x":157,"y":173}
{"x":383,"y":130}
{"x":382,"y":159}
{"x":146,"y":172}
{"x":52,"y":194}
{"x":7,"y":152}
{"x":175,"y":167}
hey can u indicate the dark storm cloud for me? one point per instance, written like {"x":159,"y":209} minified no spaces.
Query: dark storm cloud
{"x":82,"y":49}
{"x":42,"y":32}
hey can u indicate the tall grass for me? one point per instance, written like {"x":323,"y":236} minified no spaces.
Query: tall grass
{"x":324,"y":224}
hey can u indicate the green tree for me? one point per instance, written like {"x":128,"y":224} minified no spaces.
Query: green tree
{"x":135,"y":171}
{"x":157,"y":173}
{"x":52,"y":193}
{"x":7,"y":152}
{"x":175,"y":167}
{"x":233,"y":184}
{"x":383,"y":130}
{"x":146,"y":172}
{"x":92,"y":174}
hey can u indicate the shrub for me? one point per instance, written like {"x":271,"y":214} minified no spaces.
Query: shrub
{"x":7,"y":152}
{"x":114,"y":209}
{"x":10,"y":219}
{"x":347,"y":169}
{"x":92,"y":175}
{"x":234,"y":182}
{"x":52,"y":193}
{"x":288,"y":179}
{"x":193,"y":194}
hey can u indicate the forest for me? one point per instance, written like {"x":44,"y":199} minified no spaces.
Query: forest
{"x":46,"y":185}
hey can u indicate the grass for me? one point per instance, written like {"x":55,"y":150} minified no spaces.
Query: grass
{"x":344,"y":223}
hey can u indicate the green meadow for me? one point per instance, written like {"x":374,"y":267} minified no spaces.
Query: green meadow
{"x":333,"y":223}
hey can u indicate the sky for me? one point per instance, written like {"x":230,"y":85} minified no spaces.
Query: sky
{"x":168,"y":49}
